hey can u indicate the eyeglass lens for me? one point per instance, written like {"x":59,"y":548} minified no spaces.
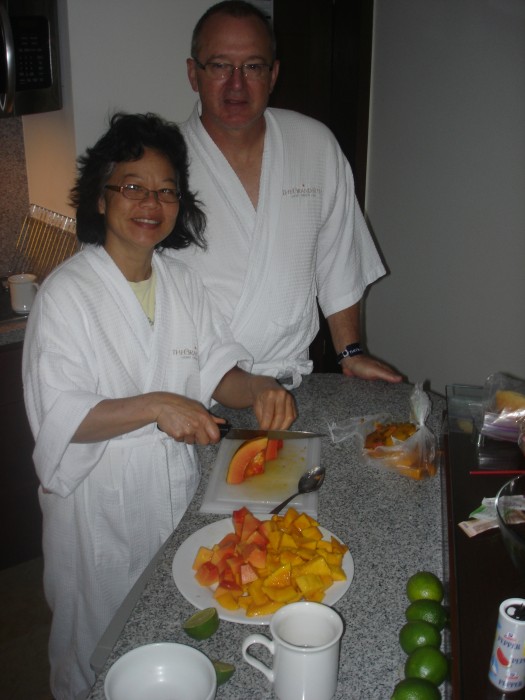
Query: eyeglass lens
{"x":224,"y":71}
{"x":167,"y":195}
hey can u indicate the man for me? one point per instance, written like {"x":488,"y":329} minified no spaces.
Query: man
{"x":284,"y":227}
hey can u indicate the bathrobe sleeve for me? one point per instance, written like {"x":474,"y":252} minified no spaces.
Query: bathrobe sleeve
{"x":347,"y":259}
{"x":60,"y":388}
{"x":320,"y":215}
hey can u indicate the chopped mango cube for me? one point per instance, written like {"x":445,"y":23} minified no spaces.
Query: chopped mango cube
{"x":266,"y":609}
{"x":280,"y":577}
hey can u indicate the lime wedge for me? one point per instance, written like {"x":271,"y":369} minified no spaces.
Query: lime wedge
{"x":224,"y":671}
{"x":202,"y":624}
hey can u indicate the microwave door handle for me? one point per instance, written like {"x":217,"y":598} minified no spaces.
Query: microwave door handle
{"x":7,"y":99}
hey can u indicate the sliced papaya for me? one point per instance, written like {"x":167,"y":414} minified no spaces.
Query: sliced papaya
{"x":256,"y":465}
{"x":274,"y":445}
{"x":242,"y":457}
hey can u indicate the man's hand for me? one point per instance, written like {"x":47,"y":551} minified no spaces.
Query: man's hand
{"x":366,"y":367}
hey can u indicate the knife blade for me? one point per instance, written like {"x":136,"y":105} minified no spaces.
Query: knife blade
{"x":230,"y":433}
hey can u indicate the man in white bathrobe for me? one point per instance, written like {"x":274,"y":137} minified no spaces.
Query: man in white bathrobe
{"x":122,"y":355}
{"x":284,"y":226}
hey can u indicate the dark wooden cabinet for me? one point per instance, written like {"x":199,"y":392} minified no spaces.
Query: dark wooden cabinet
{"x":325,"y":50}
{"x":325,"y":53}
{"x":479,"y":570}
{"x":20,"y":516}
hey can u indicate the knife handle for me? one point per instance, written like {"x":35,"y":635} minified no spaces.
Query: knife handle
{"x":224,"y":428}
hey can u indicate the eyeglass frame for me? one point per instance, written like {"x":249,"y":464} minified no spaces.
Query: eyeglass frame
{"x":127,"y":188}
{"x":232,"y":68}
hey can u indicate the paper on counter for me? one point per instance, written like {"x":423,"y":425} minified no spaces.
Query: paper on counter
{"x":484,"y":517}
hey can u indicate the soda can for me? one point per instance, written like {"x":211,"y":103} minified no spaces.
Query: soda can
{"x":507,"y":664}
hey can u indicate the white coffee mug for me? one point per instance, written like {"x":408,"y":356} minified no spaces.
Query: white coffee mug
{"x":23,"y":289}
{"x":305,"y":649}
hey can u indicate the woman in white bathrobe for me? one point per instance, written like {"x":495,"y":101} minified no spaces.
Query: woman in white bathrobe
{"x":122,"y":356}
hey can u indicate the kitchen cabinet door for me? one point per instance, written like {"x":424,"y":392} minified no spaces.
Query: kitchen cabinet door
{"x":325,"y":49}
{"x":20,"y":516}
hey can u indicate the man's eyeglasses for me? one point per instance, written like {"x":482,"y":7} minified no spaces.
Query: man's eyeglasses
{"x":223,"y":71}
{"x":166,"y":195}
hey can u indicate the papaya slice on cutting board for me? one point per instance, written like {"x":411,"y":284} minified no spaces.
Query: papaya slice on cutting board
{"x":242,"y":458}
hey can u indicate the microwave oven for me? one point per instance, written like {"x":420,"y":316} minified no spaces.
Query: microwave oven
{"x":29,"y":57}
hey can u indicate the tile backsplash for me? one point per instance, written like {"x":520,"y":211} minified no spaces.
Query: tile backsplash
{"x":14,"y":195}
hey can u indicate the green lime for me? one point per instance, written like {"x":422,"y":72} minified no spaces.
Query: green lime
{"x":424,"y":585}
{"x":202,"y":624}
{"x":427,"y":610}
{"x":415,"y":689}
{"x":224,"y":671}
{"x":419,"y":634}
{"x":428,"y":663}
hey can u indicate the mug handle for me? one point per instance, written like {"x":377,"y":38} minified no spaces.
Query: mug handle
{"x":258,"y":639}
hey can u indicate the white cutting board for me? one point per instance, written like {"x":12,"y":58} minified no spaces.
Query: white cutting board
{"x":263,"y":492}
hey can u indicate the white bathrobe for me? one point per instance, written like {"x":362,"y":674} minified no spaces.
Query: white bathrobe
{"x":307,"y":240}
{"x":109,"y":506}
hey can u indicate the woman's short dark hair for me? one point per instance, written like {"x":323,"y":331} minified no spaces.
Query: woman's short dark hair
{"x":125,"y":141}
{"x":232,"y":8}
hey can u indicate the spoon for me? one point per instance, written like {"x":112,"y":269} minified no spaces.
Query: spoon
{"x":310,"y":481}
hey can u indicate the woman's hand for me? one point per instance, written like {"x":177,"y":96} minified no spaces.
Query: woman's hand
{"x":274,"y":407}
{"x":186,"y":420}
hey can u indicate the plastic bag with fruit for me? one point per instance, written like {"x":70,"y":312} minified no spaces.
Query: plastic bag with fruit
{"x":407,"y":447}
{"x":503,"y":407}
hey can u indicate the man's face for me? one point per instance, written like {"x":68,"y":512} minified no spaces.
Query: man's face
{"x":233,"y":103}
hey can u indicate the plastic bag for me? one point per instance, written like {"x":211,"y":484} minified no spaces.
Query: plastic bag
{"x":503,"y":407}
{"x":414,"y":457}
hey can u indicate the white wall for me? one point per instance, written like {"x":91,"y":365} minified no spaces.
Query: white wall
{"x":116,"y":55}
{"x":446,"y":188}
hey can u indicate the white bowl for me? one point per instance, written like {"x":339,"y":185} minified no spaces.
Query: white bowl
{"x":163,"y":671}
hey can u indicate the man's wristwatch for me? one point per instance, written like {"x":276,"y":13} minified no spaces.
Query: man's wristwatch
{"x":350,"y":351}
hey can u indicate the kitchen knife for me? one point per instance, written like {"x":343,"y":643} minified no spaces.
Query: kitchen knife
{"x":230,"y":433}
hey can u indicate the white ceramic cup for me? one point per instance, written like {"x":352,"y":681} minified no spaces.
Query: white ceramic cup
{"x":23,"y":289}
{"x":305,"y":649}
{"x":162,"y":671}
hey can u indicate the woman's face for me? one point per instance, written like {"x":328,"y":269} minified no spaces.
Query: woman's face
{"x":134,"y":227}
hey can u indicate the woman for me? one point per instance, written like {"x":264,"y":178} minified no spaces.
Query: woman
{"x":123,"y":352}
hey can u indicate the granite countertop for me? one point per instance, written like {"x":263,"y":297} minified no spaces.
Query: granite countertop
{"x":392,"y":525}
{"x":12,"y":327}
{"x":12,"y":331}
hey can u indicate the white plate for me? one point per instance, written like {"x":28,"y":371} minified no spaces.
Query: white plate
{"x":263,"y":492}
{"x":202,"y":597}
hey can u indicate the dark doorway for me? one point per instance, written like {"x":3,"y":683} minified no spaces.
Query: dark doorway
{"x":325,"y":49}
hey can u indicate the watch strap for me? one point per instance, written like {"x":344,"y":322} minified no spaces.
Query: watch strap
{"x":350,"y":351}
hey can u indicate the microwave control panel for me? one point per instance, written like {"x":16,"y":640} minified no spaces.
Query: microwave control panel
{"x":32,"y":52}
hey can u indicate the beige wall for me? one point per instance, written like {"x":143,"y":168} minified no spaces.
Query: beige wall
{"x":121,"y":55}
{"x":446,"y":187}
